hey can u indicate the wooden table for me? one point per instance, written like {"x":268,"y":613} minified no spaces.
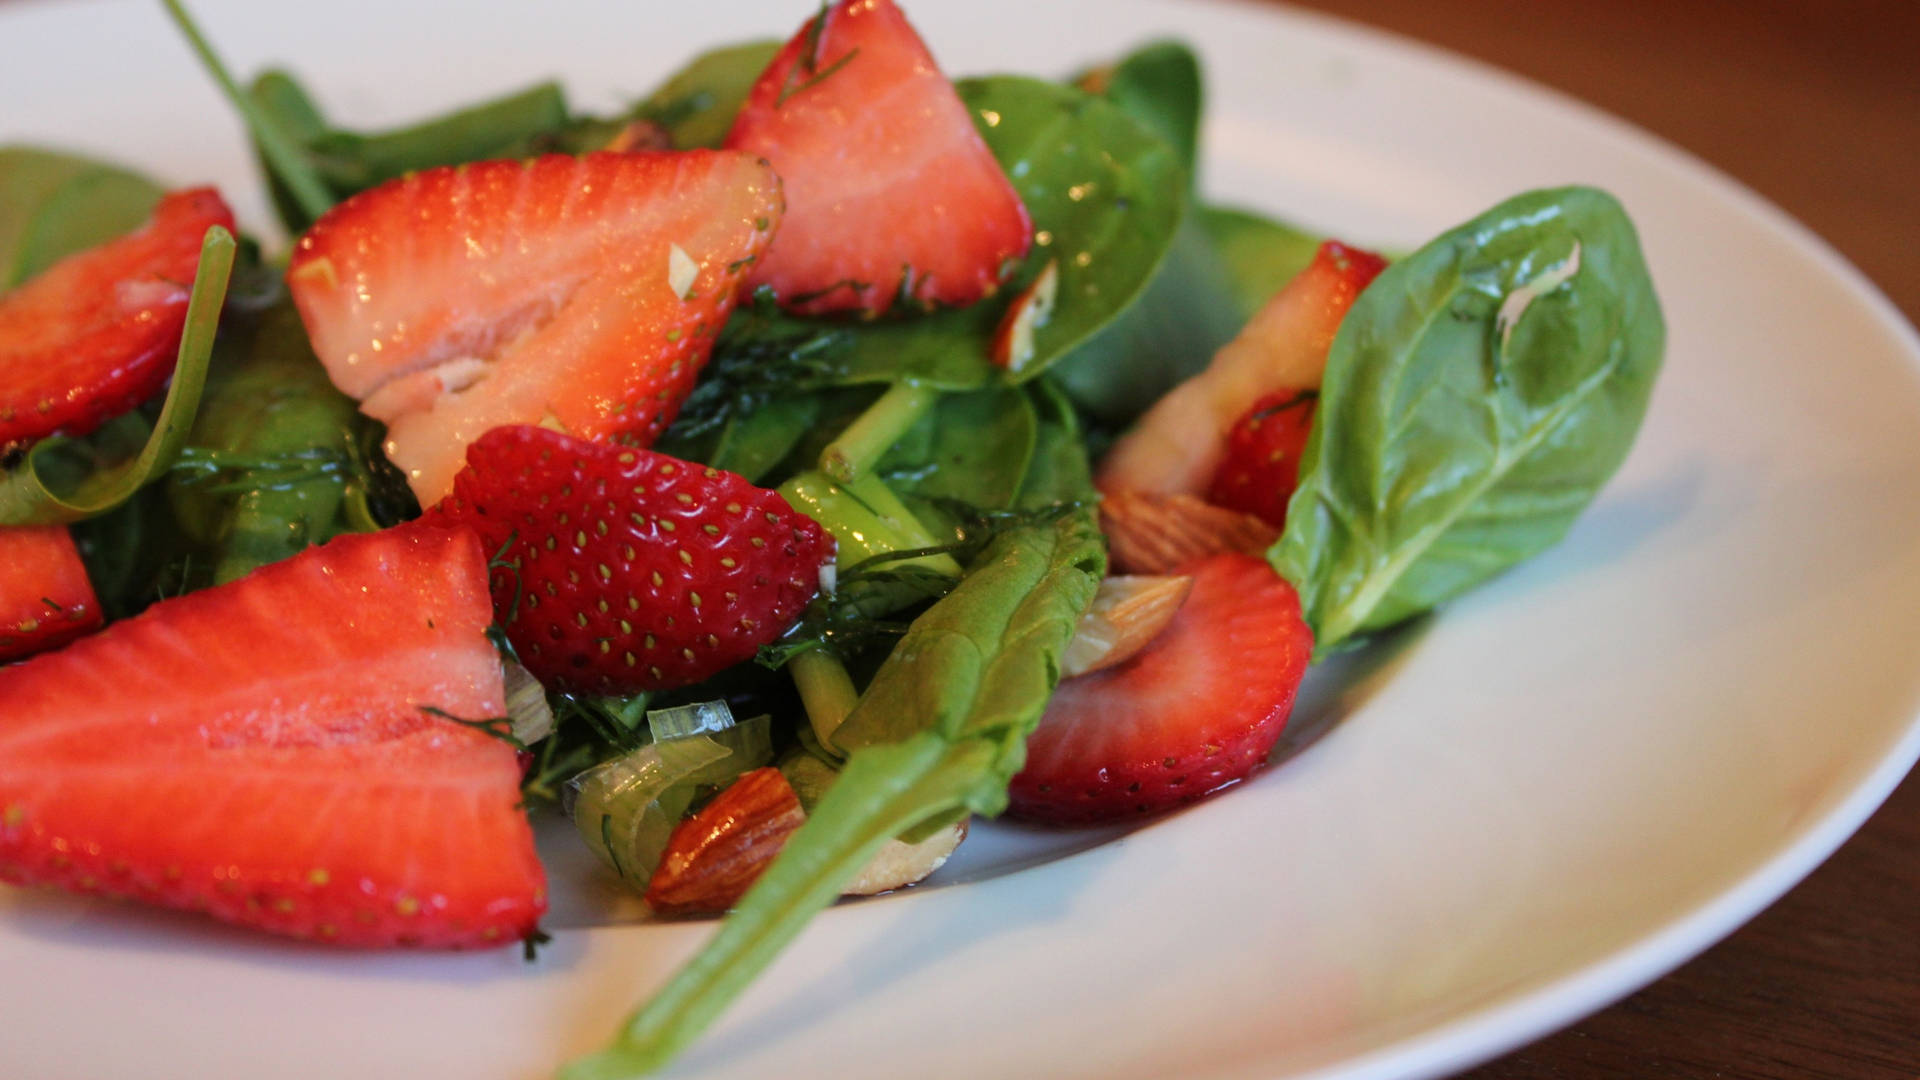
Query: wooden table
{"x":1816,"y":105}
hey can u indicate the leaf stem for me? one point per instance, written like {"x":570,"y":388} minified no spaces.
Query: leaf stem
{"x":286,"y":156}
{"x":825,"y":689}
{"x":867,"y":518}
{"x":874,"y":432}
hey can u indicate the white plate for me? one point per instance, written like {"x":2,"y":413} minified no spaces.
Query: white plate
{"x":1562,"y":787}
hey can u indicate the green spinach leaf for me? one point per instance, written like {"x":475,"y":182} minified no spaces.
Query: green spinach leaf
{"x":1259,"y":255}
{"x":697,"y":104}
{"x":1477,"y":396}
{"x":973,"y":448}
{"x":53,"y":205}
{"x":1160,"y":85}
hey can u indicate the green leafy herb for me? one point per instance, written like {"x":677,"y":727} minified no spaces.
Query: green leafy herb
{"x":498,"y":727}
{"x":278,"y":145}
{"x":697,"y":104}
{"x":1158,"y":84}
{"x":1222,"y":267}
{"x":273,"y":453}
{"x":1477,"y":396}
{"x":65,"y":480}
{"x":1260,"y":255}
{"x":53,"y":205}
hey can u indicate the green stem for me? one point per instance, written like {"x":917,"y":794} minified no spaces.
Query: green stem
{"x":288,"y":160}
{"x":874,"y":432}
{"x":825,"y":689}
{"x":867,"y":518}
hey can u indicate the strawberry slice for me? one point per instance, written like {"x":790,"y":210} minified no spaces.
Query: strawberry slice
{"x":631,"y":570}
{"x":578,"y":293}
{"x":97,"y":333}
{"x":261,"y":752}
{"x":1262,"y":463}
{"x":1177,"y":446}
{"x":1196,"y":710}
{"x":891,"y":193}
{"x":45,"y":597}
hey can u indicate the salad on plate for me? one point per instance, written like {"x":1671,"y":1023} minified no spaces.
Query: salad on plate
{"x":774,"y":478}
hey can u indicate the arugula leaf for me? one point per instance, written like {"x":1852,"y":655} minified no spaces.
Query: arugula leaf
{"x":1106,"y":195}
{"x":53,"y":205}
{"x":64,"y":480}
{"x":1477,"y":396}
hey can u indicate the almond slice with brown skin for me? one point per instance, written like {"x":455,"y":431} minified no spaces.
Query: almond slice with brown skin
{"x":715,"y":855}
{"x":1157,"y":534}
{"x":1127,"y":613}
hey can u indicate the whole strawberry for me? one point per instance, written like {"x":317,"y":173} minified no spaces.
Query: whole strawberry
{"x":620,"y":570}
{"x":1262,"y":463}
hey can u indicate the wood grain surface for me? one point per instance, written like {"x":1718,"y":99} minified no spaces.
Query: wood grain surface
{"x":1815,"y":104}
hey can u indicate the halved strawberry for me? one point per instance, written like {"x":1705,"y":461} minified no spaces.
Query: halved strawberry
{"x":891,"y":193}
{"x":1262,"y":463}
{"x":1176,"y":447}
{"x":45,"y":597}
{"x":631,"y":570}
{"x":579,"y":293}
{"x":97,"y":333}
{"x":1196,"y":710}
{"x":262,"y":752}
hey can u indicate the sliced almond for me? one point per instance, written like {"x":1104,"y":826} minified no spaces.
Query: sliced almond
{"x":1013,"y":343}
{"x":640,"y":135}
{"x":715,"y":855}
{"x":1127,"y":613}
{"x":1157,"y":534}
{"x":899,"y":864}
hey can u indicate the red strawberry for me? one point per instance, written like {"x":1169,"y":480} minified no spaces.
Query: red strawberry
{"x":636,"y":571}
{"x":1176,"y":447}
{"x":891,"y":193}
{"x":259,"y":751}
{"x":582,"y":293}
{"x":1262,"y":464}
{"x":1196,"y":710}
{"x":97,"y":333}
{"x":45,"y":597}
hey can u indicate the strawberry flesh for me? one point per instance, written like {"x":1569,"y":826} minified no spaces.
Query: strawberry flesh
{"x":578,"y":293}
{"x":1196,"y":710}
{"x":623,"y":570}
{"x":260,"y":752}
{"x":45,"y":597}
{"x":891,"y":192}
{"x":98,"y":332}
{"x":1261,"y":468}
{"x":1177,"y":446}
